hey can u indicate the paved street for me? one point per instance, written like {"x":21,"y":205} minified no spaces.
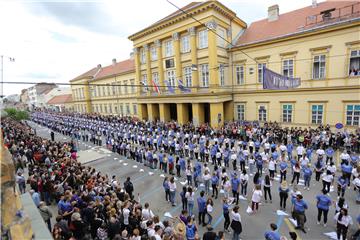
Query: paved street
{"x":148,"y":184}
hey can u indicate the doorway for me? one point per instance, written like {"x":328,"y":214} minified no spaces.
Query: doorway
{"x":173,"y":111}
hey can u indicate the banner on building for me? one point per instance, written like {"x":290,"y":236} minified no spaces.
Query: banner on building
{"x":156,"y":87}
{"x":169,"y":86}
{"x":182,"y":87}
{"x":275,"y":81}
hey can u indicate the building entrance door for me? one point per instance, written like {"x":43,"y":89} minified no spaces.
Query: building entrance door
{"x":173,"y":111}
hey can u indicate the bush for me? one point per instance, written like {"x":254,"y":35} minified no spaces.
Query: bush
{"x":16,"y":114}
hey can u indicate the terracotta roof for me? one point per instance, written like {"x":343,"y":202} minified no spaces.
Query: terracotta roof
{"x":88,"y":74}
{"x":295,"y":21}
{"x":120,"y":67}
{"x":60,"y":99}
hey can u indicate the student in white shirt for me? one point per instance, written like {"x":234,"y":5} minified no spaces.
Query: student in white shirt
{"x":209,"y":210}
{"x":300,"y":151}
{"x":343,"y":221}
{"x":244,"y":178}
{"x":146,"y":212}
{"x":256,"y":198}
{"x":327,"y":179}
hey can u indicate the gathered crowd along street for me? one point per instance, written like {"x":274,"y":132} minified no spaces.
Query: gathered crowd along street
{"x":201,"y":167}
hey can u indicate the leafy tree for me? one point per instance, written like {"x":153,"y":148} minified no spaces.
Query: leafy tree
{"x":16,"y":114}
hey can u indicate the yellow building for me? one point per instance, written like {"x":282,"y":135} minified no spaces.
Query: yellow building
{"x":220,"y":59}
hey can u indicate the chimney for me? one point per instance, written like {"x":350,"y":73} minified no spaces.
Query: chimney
{"x":314,"y":4}
{"x":273,"y":13}
{"x":132,"y":55}
{"x":114,"y":61}
{"x":99,"y":66}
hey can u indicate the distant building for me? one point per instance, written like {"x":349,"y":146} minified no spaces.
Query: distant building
{"x":13,"y":98}
{"x":24,"y":96}
{"x":36,"y":94}
{"x":60,"y":103}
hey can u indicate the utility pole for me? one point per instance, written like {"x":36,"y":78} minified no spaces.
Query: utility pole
{"x":11,"y":59}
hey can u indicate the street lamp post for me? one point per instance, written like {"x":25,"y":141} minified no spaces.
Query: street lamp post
{"x":11,"y":59}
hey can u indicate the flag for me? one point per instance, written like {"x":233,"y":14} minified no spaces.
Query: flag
{"x":170,"y":88}
{"x":273,"y":80}
{"x":182,"y":86}
{"x":156,"y":87}
{"x":146,"y":89}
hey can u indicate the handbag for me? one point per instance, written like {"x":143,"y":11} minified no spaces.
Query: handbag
{"x":236,"y":226}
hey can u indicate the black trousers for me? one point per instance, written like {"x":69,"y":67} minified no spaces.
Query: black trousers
{"x":236,"y":196}
{"x":214,"y":190}
{"x":282,"y":176}
{"x":320,"y":212}
{"x":326,"y":185}
{"x":267,"y":191}
{"x":202,"y":218}
{"x":227,"y":221}
{"x":283,"y":198}
{"x":296,"y":176}
{"x":341,"y":230}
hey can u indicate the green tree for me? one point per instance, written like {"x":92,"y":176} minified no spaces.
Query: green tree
{"x":16,"y":114}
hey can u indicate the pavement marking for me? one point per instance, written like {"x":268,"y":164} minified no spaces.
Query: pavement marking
{"x":292,"y":229}
{"x":280,"y":220}
{"x":218,"y":221}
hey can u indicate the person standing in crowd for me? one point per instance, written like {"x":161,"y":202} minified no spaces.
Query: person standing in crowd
{"x":209,"y":210}
{"x":323,"y":204}
{"x":319,"y":168}
{"x":52,"y":134}
{"x":46,"y":214}
{"x":129,"y":187}
{"x":190,"y":198}
{"x":226,"y":213}
{"x":343,"y":221}
{"x":206,"y":177}
{"x":183,"y":198}
{"x":273,"y":234}
{"x":209,"y":234}
{"x":307,"y":176}
{"x":283,"y":170}
{"x":244,"y":178}
{"x":191,"y":229}
{"x":201,"y":201}
{"x":166,"y":189}
{"x":299,"y":207}
{"x":172,"y":188}
{"x":296,"y":173}
{"x":267,"y":188}
{"x":235,"y":187}
{"x":341,"y":185}
{"x":236,"y":225}
{"x":20,"y":180}
{"x":214,"y":184}
{"x":327,"y":179}
{"x":284,"y":194}
{"x":256,"y":198}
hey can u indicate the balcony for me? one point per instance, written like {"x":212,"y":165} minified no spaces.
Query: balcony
{"x":333,"y":15}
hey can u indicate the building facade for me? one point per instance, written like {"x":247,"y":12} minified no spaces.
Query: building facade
{"x":220,"y":60}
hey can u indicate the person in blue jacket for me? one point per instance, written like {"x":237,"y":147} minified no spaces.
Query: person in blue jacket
{"x":347,"y":170}
{"x":283,"y":169}
{"x":299,"y":206}
{"x":341,"y":185}
{"x":273,"y":234}
{"x":201,"y":201}
{"x":307,"y":176}
{"x":323,"y":204}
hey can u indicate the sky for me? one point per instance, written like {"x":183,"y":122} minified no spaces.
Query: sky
{"x":57,"y":40}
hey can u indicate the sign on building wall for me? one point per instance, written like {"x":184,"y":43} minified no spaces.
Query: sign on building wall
{"x":275,"y":81}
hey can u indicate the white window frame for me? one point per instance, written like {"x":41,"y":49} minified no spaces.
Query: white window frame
{"x":168,"y":48}
{"x":352,"y":114}
{"x":171,"y":77}
{"x":205,"y":75}
{"x":188,"y":76}
{"x":320,"y":71}
{"x":153,"y":53}
{"x":240,"y":112}
{"x":240,"y":74}
{"x":132,"y":83}
{"x":317,"y":117}
{"x":144,"y":80}
{"x":155,"y":77}
{"x":185,"y":44}
{"x":203,"y":39}
{"x":288,"y":67}
{"x":287,"y":112}
{"x":354,"y":54}
{"x":222,"y":74}
{"x":262,"y":113}
{"x":142,"y":56}
{"x":260,"y":72}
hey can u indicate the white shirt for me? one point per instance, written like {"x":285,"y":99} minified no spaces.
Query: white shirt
{"x":345,"y":220}
{"x":256,"y":197}
{"x":189,"y":197}
{"x":300,"y":150}
{"x":206,"y":177}
{"x":332,"y":168}
{"x":147,"y":214}
{"x":244,"y":177}
{"x":283,"y":148}
{"x":172,"y":187}
{"x":235,"y":216}
{"x":320,"y":152}
{"x":272,"y":165}
{"x":126,"y":213}
{"x":327,"y":178}
{"x":344,"y":156}
{"x":209,"y":208}
{"x":267,"y":145}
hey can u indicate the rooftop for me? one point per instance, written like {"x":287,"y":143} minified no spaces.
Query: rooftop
{"x":60,"y":99}
{"x":299,"y":20}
